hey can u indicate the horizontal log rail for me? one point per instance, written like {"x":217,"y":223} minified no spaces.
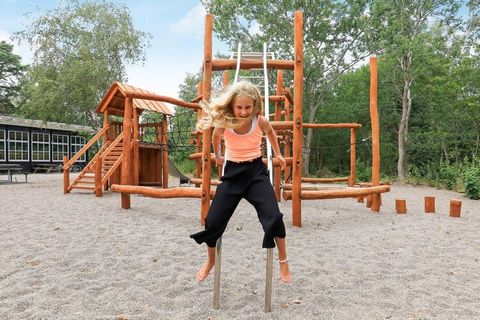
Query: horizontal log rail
{"x":337,"y":193}
{"x":325,"y":180}
{"x":200,"y":181}
{"x":245,"y":64}
{"x":156,"y":97}
{"x":274,"y":98}
{"x":369,"y":184}
{"x":85,"y":147}
{"x":179,"y":192}
{"x":282,"y":125}
{"x":198,"y":155}
{"x":289,"y":186}
{"x":332,"y":125}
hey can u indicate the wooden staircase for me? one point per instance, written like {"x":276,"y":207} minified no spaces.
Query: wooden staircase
{"x":110,"y":157}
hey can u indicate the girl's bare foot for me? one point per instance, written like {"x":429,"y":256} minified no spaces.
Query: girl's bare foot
{"x":285,"y":275}
{"x":202,"y":274}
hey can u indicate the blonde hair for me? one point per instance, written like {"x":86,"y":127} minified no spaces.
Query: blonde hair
{"x":219,"y":112}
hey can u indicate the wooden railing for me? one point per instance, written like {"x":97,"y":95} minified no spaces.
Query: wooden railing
{"x":85,"y":148}
{"x":117,"y":162}
{"x":67,"y":186}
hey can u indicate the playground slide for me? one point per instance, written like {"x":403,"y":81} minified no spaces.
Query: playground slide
{"x":174,"y":172}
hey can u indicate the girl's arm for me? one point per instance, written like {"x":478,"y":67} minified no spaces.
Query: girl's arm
{"x":216,"y":139}
{"x":272,"y":137}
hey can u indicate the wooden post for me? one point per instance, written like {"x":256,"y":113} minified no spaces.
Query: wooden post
{"x":401,"y":206}
{"x":136,"y":148}
{"x":277,"y":172}
{"x":198,"y":142}
{"x":375,"y":133}
{"x":105,"y":123}
{"x":369,"y":201}
{"x":207,"y":134}
{"x":66,"y":176}
{"x":288,"y":140}
{"x":165,"y":151}
{"x":455,"y":208}
{"x":98,"y":177}
{"x":429,"y":204}
{"x":127,"y":154}
{"x":353,"y":157}
{"x":298,"y":120}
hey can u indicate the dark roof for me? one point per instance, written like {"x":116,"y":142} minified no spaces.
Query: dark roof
{"x":22,"y":122}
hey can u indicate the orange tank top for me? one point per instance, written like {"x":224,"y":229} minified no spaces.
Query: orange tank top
{"x":243,"y":147}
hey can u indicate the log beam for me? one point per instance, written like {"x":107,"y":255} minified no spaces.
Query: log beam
{"x":337,"y":193}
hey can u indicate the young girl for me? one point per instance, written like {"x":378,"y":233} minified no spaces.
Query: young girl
{"x":236,"y":116}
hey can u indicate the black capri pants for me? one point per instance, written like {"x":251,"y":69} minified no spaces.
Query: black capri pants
{"x":247,"y":180}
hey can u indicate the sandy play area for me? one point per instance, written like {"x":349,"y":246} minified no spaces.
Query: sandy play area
{"x":80,"y":257}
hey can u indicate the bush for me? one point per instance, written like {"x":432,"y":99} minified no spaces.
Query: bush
{"x":472,"y":181}
{"x":451,"y":175}
{"x":363,"y":172}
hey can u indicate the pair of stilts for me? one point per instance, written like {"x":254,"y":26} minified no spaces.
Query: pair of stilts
{"x":217,"y":270}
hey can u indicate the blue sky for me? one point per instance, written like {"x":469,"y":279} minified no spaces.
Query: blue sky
{"x":176,"y":47}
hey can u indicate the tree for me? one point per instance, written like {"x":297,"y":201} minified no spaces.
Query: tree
{"x":398,"y":27}
{"x":80,"y":49}
{"x":11,"y":73}
{"x":333,"y":40}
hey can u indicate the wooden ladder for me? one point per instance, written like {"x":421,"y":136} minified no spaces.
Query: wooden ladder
{"x":111,"y":154}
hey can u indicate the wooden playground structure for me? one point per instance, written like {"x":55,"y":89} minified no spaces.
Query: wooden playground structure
{"x":128,"y":165}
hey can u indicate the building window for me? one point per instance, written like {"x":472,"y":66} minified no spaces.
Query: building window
{"x":77,"y":143}
{"x":40,"y":146}
{"x":18,"y":146}
{"x":3,"y":155}
{"x":59,"y":147}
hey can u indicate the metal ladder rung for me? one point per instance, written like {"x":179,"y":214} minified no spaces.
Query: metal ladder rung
{"x":252,"y":55}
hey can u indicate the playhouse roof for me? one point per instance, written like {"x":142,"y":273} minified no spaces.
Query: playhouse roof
{"x":114,"y":100}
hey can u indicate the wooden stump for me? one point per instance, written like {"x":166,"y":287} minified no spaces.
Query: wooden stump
{"x":369,"y":201}
{"x":429,"y":204}
{"x":455,"y":208}
{"x":401,"y":206}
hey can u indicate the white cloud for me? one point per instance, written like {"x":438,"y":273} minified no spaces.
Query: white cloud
{"x":190,"y":24}
{"x":22,"y":50}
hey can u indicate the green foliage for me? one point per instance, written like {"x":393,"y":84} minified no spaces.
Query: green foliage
{"x":185,"y":165}
{"x":11,"y":73}
{"x":472,"y":181}
{"x":364,"y":172}
{"x":81,"y":47}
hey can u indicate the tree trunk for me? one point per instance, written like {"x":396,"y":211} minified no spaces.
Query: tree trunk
{"x":405,"y":63}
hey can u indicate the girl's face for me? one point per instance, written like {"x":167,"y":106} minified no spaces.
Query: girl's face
{"x":242,"y":107}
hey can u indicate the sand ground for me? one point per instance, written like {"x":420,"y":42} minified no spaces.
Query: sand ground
{"x":80,"y":257}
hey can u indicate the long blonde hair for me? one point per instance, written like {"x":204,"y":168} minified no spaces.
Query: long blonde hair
{"x":219,"y":112}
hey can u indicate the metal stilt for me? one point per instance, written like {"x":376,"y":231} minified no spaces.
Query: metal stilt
{"x":268,"y":282}
{"x":218,"y":262}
